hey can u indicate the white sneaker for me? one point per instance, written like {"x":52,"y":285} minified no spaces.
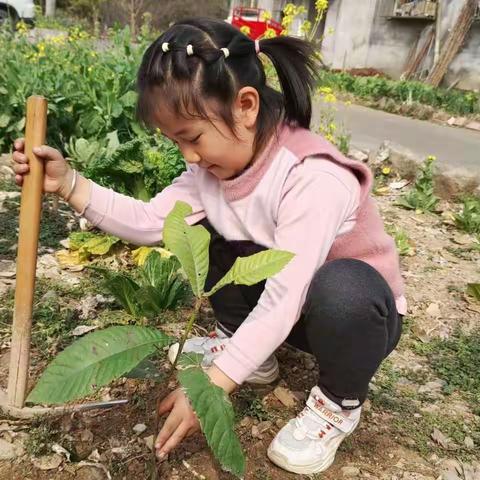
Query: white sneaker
{"x":308,"y":443}
{"x":212,"y":346}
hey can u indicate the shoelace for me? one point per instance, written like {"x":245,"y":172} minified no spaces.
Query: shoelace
{"x":324,"y":427}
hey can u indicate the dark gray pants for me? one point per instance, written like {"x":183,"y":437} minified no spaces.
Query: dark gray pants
{"x":349,"y":321}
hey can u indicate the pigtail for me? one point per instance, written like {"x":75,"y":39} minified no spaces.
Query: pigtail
{"x":295,"y":63}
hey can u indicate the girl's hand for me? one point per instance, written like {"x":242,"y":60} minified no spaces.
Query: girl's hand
{"x":182,"y":422}
{"x":58,"y":174}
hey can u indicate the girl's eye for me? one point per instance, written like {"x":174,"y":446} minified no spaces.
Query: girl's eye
{"x":196,"y":139}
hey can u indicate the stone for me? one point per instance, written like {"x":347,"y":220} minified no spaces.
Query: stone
{"x":451,"y":121}
{"x":89,"y":472}
{"x":286,"y":397}
{"x":359,"y":155}
{"x":149,"y":441}
{"x":246,"y":422}
{"x":256,"y":432}
{"x":48,"y":462}
{"x":473,"y":126}
{"x":469,"y":443}
{"x":460,"y":122}
{"x":7,"y":450}
{"x":264,"y":426}
{"x":309,"y":364}
{"x":432,"y":387}
{"x":350,"y":471}
{"x":86,"y":436}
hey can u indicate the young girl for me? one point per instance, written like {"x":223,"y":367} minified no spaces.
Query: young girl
{"x":258,"y":178}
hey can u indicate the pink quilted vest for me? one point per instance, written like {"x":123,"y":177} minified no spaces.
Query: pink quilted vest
{"x":368,"y":240}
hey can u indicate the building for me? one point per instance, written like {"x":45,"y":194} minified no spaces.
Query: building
{"x":384,"y":34}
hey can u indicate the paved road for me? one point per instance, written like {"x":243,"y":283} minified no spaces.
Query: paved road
{"x":454,"y":147}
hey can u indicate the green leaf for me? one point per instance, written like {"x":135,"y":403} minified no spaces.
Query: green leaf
{"x":129,"y":99}
{"x":189,"y":360}
{"x":473,"y":289}
{"x":4,"y":120}
{"x":215,"y":413}
{"x":255,"y":268}
{"x":150,"y":301}
{"x":189,"y":244}
{"x":95,"y":360}
{"x":124,"y":290}
{"x":147,"y":370}
{"x":76,"y":240}
{"x":100,"y":244}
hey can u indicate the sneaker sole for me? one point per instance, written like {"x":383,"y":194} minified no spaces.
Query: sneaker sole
{"x":317,"y":467}
{"x":257,"y":378}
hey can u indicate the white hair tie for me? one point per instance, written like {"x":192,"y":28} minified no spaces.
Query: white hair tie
{"x":226,"y":52}
{"x":165,"y":47}
{"x":189,"y":50}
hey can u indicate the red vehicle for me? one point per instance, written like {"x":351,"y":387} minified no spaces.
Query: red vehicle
{"x":254,"y":20}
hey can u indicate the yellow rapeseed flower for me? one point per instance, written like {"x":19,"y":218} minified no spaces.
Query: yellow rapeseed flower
{"x":321,"y":5}
{"x":266,"y":16}
{"x":386,"y":170}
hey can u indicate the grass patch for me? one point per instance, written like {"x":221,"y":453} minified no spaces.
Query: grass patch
{"x":411,"y":423}
{"x":457,"y":361}
{"x":53,"y":227}
{"x":54,"y":314}
{"x":456,"y":102}
{"x":7,"y":185}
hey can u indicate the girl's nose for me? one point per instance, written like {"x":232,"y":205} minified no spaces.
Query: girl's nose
{"x":191,"y":156}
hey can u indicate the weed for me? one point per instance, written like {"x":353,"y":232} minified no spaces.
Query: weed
{"x":249,"y":405}
{"x":421,"y":197}
{"x":42,"y":435}
{"x":469,"y":218}
{"x":403,"y":243}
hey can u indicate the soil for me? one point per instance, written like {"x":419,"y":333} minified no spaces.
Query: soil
{"x":104,"y":445}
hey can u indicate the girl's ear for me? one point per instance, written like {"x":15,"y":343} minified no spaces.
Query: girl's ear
{"x":247,"y":106}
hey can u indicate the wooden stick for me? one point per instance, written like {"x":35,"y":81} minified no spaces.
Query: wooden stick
{"x":30,"y":211}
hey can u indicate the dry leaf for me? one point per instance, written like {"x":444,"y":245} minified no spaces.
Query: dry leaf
{"x":285,"y":396}
{"x":433,"y":310}
{"x":82,"y":330}
{"x":442,"y":439}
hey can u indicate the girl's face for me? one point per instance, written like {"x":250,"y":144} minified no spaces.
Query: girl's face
{"x":210,"y":143}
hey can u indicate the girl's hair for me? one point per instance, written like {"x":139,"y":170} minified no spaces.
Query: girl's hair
{"x":188,"y":66}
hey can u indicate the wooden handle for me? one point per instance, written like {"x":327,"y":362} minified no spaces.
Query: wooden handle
{"x":29,"y":227}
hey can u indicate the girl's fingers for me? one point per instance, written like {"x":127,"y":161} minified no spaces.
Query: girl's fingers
{"x":177,"y":436}
{"x":21,"y":168}
{"x":166,"y":404}
{"x":19,"y":143}
{"x":19,"y":157}
{"x":18,"y":180}
{"x":171,"y":424}
{"x":47,"y":153}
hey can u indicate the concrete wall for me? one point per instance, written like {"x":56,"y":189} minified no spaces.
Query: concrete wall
{"x":363,"y":37}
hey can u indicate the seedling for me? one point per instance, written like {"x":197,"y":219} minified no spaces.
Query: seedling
{"x":103,"y":356}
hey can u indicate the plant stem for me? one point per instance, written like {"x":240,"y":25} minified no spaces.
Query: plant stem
{"x":191,"y":321}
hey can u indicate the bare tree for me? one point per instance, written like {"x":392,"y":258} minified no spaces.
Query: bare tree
{"x":50,"y":6}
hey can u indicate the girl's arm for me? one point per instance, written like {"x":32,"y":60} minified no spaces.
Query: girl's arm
{"x":316,"y":204}
{"x":138,"y":222}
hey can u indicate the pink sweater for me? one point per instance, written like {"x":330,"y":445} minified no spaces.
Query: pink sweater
{"x":301,"y":195}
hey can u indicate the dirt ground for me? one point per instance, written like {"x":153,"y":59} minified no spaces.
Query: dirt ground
{"x":413,"y":426}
